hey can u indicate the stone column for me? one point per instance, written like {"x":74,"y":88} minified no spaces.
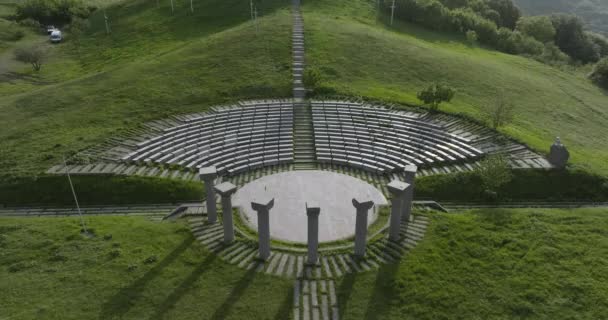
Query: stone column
{"x":363,"y":207}
{"x":397,"y":189}
{"x":226,"y":189}
{"x":410,"y":176}
{"x":262,"y":207}
{"x":208,"y":175}
{"x":312,"y":211}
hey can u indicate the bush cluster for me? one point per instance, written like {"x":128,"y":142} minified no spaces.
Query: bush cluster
{"x":499,"y":24}
{"x":56,"y":12}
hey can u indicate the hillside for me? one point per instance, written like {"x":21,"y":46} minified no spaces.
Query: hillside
{"x":359,"y":55}
{"x":594,"y":12}
{"x":153,"y":64}
{"x":156,"y":63}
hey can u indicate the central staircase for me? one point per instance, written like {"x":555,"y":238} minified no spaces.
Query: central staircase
{"x":304,"y":143}
{"x":303,"y":134}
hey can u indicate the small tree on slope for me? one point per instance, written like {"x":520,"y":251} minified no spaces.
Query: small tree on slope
{"x":436,"y":94}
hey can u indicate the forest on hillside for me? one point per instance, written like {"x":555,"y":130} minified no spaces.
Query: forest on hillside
{"x":593,"y":12}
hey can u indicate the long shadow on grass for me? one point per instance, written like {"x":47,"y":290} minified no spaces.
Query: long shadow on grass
{"x":235,"y":295}
{"x":183,"y":288}
{"x":344,"y":291}
{"x":127,"y":297}
{"x":382,"y":293}
{"x":286,"y":306}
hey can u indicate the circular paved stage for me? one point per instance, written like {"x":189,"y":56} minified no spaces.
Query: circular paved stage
{"x":333,"y":192}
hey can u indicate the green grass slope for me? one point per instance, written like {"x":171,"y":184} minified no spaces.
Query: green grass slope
{"x":492,"y":264}
{"x":147,"y":270}
{"x":359,"y":56}
{"x":143,"y":71}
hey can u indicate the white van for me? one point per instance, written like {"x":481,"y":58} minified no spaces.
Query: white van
{"x":56,"y":36}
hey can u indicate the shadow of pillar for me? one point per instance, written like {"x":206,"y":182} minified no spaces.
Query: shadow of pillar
{"x":121,"y":302}
{"x":183,"y":288}
{"x":382,"y":293}
{"x":235,"y":295}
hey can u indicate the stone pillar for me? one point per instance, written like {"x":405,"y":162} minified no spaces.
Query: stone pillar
{"x":262,"y":207}
{"x":312,"y":212}
{"x":410,"y":176}
{"x":397,"y":189}
{"x":559,"y":155}
{"x":226,"y":189}
{"x":363,"y":207}
{"x":208,"y":175}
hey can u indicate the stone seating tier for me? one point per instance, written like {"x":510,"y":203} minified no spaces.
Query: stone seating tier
{"x":382,"y":140}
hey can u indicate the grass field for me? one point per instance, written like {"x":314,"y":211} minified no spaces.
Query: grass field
{"x":358,"y":55}
{"x":486,"y":264}
{"x":147,"y":270}
{"x":143,"y":71}
{"x":493,"y":264}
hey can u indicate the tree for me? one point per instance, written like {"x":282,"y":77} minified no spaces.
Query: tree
{"x":494,"y":172}
{"x":472,"y":37}
{"x":500,"y":112}
{"x":509,"y":12}
{"x":32,"y":55}
{"x":537,"y":27}
{"x":436,"y":94}
{"x":76,"y":29}
{"x":571,"y":38}
{"x":600,"y":73}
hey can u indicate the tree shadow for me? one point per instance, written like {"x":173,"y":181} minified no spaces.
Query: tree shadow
{"x":183,"y":288}
{"x":121,"y":303}
{"x":235,"y":295}
{"x":344,"y":291}
{"x":379,"y":303}
{"x":286,"y":305}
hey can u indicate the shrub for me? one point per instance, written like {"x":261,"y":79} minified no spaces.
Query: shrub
{"x":312,"y":78}
{"x":115,"y":253}
{"x":436,"y":94}
{"x":600,"y":73}
{"x":494,"y":172}
{"x":31,"y":23}
{"x":151,"y":259}
{"x":32,"y":55}
{"x":472,"y":37}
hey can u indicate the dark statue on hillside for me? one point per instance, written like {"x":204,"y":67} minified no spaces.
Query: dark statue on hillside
{"x":559,"y":155}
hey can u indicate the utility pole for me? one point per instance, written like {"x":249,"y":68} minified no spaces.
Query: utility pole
{"x":392,"y":12}
{"x":191,"y":6}
{"x":67,"y":172}
{"x":255,"y":19}
{"x":105,"y":17}
{"x":251,"y":8}
{"x":172,"y":7}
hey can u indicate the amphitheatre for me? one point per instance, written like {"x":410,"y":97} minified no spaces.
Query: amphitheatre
{"x":210,"y":174}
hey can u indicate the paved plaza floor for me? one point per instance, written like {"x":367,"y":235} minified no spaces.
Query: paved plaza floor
{"x":333,"y":192}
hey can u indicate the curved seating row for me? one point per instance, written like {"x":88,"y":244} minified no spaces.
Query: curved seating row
{"x":382,"y":140}
{"x":233,"y":140}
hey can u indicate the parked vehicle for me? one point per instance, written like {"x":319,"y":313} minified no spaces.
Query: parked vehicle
{"x":56,"y":36}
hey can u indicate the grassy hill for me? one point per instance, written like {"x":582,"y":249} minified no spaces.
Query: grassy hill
{"x":594,"y":12}
{"x":153,"y":64}
{"x":132,"y":269}
{"x":492,"y":264}
{"x":359,"y":55}
{"x":156,"y":63}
